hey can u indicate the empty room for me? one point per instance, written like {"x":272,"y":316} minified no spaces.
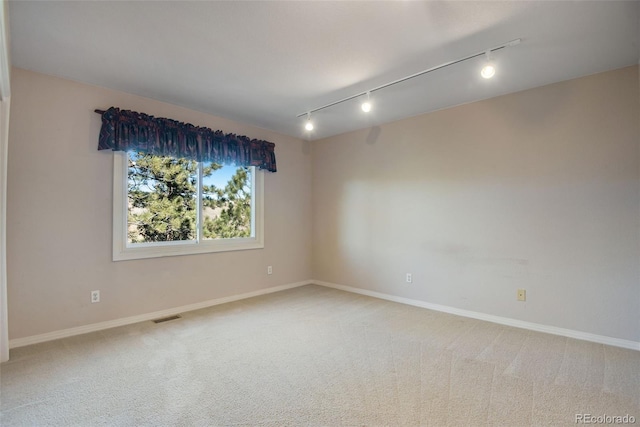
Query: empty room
{"x":319,"y":213}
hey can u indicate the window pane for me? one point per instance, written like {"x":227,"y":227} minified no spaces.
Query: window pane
{"x":162,"y":194}
{"x":226,"y":201}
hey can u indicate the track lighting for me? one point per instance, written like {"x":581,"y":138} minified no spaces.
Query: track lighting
{"x":366,"y":105}
{"x":489,"y":70}
{"x":309,"y":125}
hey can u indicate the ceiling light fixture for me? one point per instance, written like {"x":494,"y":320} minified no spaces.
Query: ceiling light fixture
{"x":309,"y":125}
{"x":403,"y":79}
{"x":366,"y":105}
{"x":489,"y":70}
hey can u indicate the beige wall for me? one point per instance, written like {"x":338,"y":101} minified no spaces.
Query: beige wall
{"x":537,"y":190}
{"x":60,"y":209}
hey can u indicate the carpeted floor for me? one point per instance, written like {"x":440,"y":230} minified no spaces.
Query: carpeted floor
{"x":317,"y":356}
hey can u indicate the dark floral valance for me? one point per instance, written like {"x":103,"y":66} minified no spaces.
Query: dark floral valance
{"x":124,"y":130}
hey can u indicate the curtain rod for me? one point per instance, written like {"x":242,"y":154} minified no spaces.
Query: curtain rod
{"x":420,"y":73}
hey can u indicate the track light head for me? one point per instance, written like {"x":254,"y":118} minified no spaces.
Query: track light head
{"x":366,"y":105}
{"x":488,"y":70}
{"x":308,"y":125}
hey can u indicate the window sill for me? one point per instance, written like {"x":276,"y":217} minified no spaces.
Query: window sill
{"x":177,"y":249}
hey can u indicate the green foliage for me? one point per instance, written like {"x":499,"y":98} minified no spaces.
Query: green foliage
{"x":234,"y":204}
{"x":163,"y":194}
{"x":162,"y":198}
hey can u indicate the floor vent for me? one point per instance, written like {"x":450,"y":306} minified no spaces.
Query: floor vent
{"x":166,"y":319}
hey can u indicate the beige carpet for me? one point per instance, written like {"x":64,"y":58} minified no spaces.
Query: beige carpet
{"x":317,"y":356}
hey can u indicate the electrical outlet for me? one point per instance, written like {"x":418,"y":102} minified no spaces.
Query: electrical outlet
{"x":409,"y":278}
{"x":522,"y":294}
{"x":95,"y":296}
{"x":269,"y":270}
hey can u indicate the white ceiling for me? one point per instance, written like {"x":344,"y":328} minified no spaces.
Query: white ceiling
{"x":264,"y":62}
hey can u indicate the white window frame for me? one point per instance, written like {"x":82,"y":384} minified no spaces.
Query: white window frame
{"x":122,"y":250}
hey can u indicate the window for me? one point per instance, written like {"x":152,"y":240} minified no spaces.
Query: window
{"x":164,"y":206}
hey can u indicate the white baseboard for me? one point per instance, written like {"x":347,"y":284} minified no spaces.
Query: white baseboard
{"x":50,"y":336}
{"x":585,"y":336}
{"x":601,"y":339}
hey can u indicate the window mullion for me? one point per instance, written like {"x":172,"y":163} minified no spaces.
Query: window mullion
{"x":199,"y":205}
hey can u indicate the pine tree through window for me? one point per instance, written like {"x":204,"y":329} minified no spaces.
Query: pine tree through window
{"x":172,"y":206}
